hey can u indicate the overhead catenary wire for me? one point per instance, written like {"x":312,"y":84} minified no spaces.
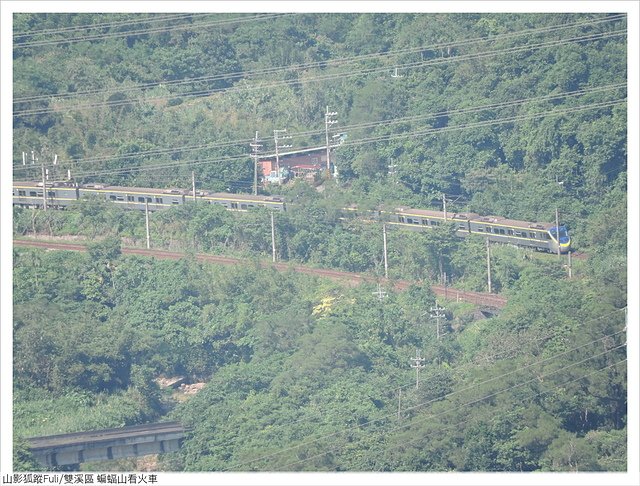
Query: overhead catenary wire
{"x":243,"y":142}
{"x":393,"y":415}
{"x":328,"y":62}
{"x":150,"y":31}
{"x":326,"y":77}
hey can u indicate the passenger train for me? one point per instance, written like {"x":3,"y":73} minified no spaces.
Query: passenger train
{"x":62,"y":194}
{"x":539,"y":236}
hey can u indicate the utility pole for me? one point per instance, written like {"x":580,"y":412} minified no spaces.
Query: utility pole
{"x":44,"y":189}
{"x":327,"y":122}
{"x":488,"y":266}
{"x":436,"y":312}
{"x":273,"y":239}
{"x":392,"y":172}
{"x":193,"y":185}
{"x":384,"y":241}
{"x":380,"y":293}
{"x":277,"y":136}
{"x":558,"y":233}
{"x":444,"y":207}
{"x":146,"y":218}
{"x":418,"y":364}
{"x":256,"y":145}
{"x":396,"y":75}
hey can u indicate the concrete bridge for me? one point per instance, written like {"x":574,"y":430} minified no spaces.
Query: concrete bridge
{"x":103,"y":445}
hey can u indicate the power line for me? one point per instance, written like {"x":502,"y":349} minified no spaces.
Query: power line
{"x":486,"y":123}
{"x":459,"y":111}
{"x":501,"y":376}
{"x":115,"y":23}
{"x":477,"y":400}
{"x":326,"y":77}
{"x":381,"y":138}
{"x":336,"y":62}
{"x":150,"y":31}
{"x":347,"y":127}
{"x":146,"y":153}
{"x":463,"y":367}
{"x":457,"y":424}
{"x":486,"y":397}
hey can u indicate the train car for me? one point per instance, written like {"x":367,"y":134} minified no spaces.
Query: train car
{"x":539,"y":236}
{"x":30,"y":194}
{"x":242,"y":202}
{"x":60,"y":195}
{"x":135,"y":197}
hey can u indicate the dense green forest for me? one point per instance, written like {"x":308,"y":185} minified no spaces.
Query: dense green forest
{"x":309,"y":371}
{"x":507,"y":114}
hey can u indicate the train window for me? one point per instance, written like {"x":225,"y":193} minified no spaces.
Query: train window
{"x":120,"y":198}
{"x":51,"y":194}
{"x":533,"y":235}
{"x":159,"y":200}
{"x":149,"y":199}
{"x":22,"y":193}
{"x":488,"y":229}
{"x":401,"y":219}
{"x":425,"y":222}
{"x":234,"y":205}
{"x":510,"y":232}
{"x":547,"y":236}
{"x":175,"y":201}
{"x":461,"y":225}
{"x":501,"y":231}
{"x":251,"y":205}
{"x":33,"y":193}
{"x":480,"y":229}
{"x":243,"y":206}
{"x":130,"y":198}
{"x":140,"y":199}
{"x":112,"y":197}
{"x":525,"y":234}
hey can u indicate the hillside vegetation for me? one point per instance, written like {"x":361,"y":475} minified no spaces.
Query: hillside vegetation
{"x":507,"y":114}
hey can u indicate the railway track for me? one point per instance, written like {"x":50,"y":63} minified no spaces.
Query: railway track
{"x":478,"y":298}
